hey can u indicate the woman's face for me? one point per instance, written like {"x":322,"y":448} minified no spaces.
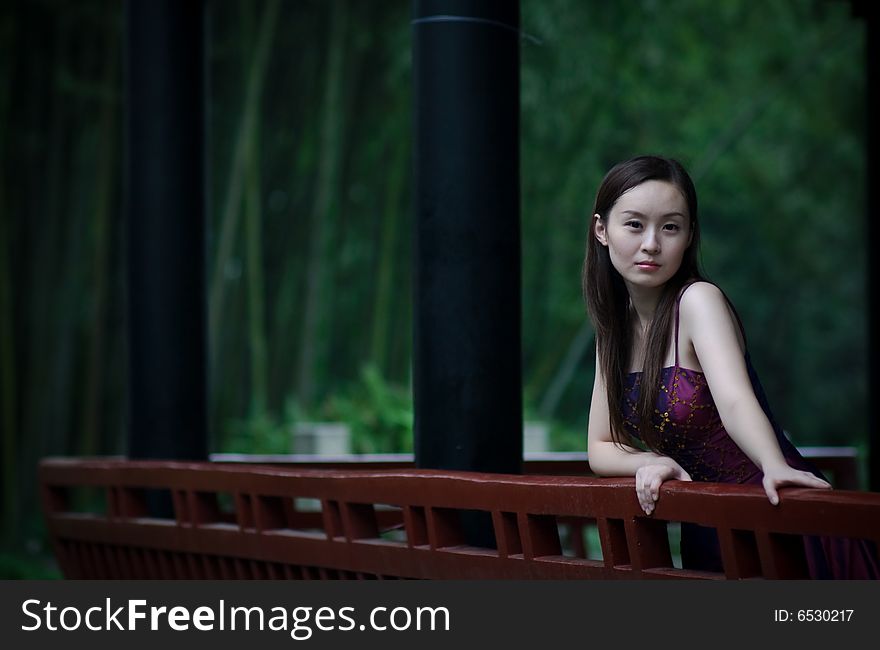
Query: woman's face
{"x":646,"y":233}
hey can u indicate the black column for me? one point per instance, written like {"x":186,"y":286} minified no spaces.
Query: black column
{"x":872,"y":207}
{"x":467,"y":368}
{"x":165,"y":209}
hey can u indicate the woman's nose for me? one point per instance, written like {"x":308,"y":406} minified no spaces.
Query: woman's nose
{"x":650,"y":243}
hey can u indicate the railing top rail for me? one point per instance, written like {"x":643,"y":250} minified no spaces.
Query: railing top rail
{"x":805,"y":511}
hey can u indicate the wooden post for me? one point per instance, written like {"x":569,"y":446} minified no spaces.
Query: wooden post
{"x":165,"y":209}
{"x":466,"y":352}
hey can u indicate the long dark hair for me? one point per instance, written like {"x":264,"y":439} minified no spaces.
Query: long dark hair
{"x":609,"y":304}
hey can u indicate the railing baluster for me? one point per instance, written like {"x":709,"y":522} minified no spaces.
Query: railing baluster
{"x":416,"y":526}
{"x":782,"y":556}
{"x":211,"y":567}
{"x":739,"y":554}
{"x":83,"y":550}
{"x":203,"y":507}
{"x":612,"y":536}
{"x":258,"y":570}
{"x":130,"y":502}
{"x":648,"y":543}
{"x":194,"y":567}
{"x":507,"y":533}
{"x":178,"y":563}
{"x":109,"y":553}
{"x":182,"y":513}
{"x":359,"y":521}
{"x":243,"y":511}
{"x":539,"y":535}
{"x":444,"y":527}
{"x":269,"y":513}
{"x":164,"y":561}
{"x":332,"y":519}
{"x":97,"y":556}
{"x":66,"y":560}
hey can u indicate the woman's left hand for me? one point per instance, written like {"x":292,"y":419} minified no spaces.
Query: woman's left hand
{"x":781,"y":475}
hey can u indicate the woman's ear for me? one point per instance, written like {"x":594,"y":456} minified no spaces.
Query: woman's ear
{"x":599,"y":229}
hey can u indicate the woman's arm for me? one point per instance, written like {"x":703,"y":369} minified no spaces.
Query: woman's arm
{"x":708,"y":324}
{"x":608,"y":459}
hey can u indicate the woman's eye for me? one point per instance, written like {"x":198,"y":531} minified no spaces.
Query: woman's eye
{"x":632,"y":224}
{"x":672,"y":227}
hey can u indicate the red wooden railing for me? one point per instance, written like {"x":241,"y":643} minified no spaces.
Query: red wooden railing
{"x":252,"y":521}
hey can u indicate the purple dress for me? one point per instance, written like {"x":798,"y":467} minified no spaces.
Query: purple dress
{"x":692,"y":434}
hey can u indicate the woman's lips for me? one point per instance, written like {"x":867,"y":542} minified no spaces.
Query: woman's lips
{"x":648,"y":266}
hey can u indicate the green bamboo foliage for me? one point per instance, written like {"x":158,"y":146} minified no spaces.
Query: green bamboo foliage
{"x":390,"y":231}
{"x":253,"y":207}
{"x":54,"y":263}
{"x":107,"y":173}
{"x":243,"y":169}
{"x":311,"y":348}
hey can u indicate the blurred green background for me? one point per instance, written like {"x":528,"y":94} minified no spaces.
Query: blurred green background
{"x":310,"y":213}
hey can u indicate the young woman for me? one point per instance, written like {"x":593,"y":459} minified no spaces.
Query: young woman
{"x":675,"y":395}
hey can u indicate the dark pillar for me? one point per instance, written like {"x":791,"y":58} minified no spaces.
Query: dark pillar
{"x":467,"y":368}
{"x":866,"y":10}
{"x":872,"y":206}
{"x":165,"y":209}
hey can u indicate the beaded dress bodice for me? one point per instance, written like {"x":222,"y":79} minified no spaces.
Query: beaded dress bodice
{"x":690,"y":430}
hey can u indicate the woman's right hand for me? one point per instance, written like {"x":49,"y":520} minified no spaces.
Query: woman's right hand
{"x":649,"y":478}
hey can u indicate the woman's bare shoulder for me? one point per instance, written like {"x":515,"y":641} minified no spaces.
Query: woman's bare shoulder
{"x":700,"y":296}
{"x":704,"y":306}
